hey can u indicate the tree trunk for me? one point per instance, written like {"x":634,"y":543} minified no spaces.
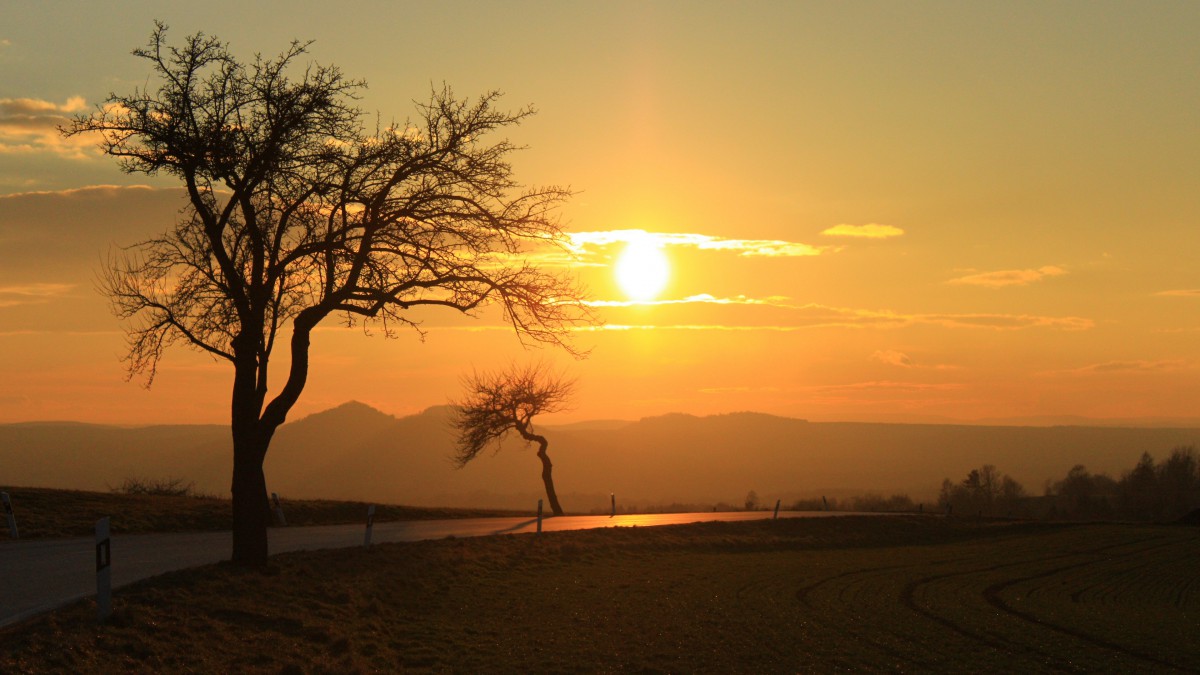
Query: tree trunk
{"x":546,"y":467}
{"x":249,"y":486}
{"x":253,"y":428}
{"x":250,"y":507}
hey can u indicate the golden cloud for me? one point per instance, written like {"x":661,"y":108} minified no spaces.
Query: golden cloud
{"x":868,"y":231}
{"x":29,"y":125}
{"x":1180,"y":293}
{"x":1001,"y":278}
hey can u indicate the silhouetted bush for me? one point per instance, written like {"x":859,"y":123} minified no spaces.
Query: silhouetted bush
{"x":168,"y":487}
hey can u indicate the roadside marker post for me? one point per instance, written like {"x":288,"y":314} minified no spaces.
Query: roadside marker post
{"x":539,"y":516}
{"x":613,"y":495}
{"x":370,"y":524}
{"x":8,"y":513}
{"x":103,"y":570}
{"x":278,"y":509}
{"x":776,"y":516}
{"x":825,"y":503}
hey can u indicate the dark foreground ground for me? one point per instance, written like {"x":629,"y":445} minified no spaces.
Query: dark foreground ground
{"x":847,"y":594}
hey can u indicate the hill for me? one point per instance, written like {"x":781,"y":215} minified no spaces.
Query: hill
{"x":355,"y":452}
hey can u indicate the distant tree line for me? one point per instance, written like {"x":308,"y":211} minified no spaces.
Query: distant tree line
{"x":1151,"y":491}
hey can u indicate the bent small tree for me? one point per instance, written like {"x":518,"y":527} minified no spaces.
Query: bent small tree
{"x":502,"y":402}
{"x":297,"y":212}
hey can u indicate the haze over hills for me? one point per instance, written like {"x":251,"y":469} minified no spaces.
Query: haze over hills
{"x":356,"y":452}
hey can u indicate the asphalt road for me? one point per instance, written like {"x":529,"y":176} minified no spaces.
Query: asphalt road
{"x":37,"y":576}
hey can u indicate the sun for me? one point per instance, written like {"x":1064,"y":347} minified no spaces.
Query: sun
{"x":642,"y":269}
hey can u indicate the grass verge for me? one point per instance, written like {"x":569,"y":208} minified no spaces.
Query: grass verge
{"x":851,"y":593}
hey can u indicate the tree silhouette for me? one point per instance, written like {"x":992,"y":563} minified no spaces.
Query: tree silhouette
{"x":297,"y":212}
{"x":502,"y":402}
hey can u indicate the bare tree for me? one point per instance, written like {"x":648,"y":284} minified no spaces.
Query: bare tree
{"x":502,"y":402}
{"x":296,"y":211}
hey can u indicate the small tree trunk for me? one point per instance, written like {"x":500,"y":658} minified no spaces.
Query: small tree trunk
{"x":547,"y":479}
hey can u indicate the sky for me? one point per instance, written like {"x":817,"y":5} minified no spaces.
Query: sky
{"x":876,"y":211}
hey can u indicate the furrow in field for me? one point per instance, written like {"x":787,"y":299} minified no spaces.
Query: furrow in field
{"x":1111,"y":625}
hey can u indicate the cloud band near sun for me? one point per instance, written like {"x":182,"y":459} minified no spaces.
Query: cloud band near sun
{"x":702,"y":298}
{"x":868,"y":231}
{"x":582,"y":243}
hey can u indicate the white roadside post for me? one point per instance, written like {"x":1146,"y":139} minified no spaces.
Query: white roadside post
{"x":776,"y":516}
{"x":539,"y":516}
{"x":8,"y":513}
{"x":370,"y":524}
{"x":103,"y":570}
{"x":278,"y":509}
{"x":613,"y":495}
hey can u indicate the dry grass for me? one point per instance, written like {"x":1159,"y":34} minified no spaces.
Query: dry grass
{"x":860,"y":594}
{"x":43,"y":512}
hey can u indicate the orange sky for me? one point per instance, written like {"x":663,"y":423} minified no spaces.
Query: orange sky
{"x":871,"y":211}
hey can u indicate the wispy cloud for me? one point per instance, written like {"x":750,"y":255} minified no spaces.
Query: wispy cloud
{"x":588,"y":242}
{"x":852,"y":317}
{"x":29,"y":125}
{"x":899,"y":359}
{"x":889,"y":385}
{"x":1134,"y":366}
{"x":1180,"y":293}
{"x":29,"y":294}
{"x":89,"y":191}
{"x":868,"y":231}
{"x":791,"y":317}
{"x":738,"y":390}
{"x":1002,"y":278}
{"x":892,"y":358}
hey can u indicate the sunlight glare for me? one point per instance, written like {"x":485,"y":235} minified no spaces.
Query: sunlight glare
{"x":642,"y":269}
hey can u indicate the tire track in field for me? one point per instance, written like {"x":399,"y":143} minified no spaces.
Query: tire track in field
{"x":992,"y":595}
{"x":908,"y":599}
{"x":802,"y":592}
{"x":870,"y":636}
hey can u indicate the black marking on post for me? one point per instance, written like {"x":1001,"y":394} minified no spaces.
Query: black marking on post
{"x":103,"y":554}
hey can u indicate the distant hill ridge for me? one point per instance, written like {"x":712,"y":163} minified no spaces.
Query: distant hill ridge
{"x":354,"y":451}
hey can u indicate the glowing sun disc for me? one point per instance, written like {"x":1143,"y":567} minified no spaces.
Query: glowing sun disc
{"x":642,"y":270}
